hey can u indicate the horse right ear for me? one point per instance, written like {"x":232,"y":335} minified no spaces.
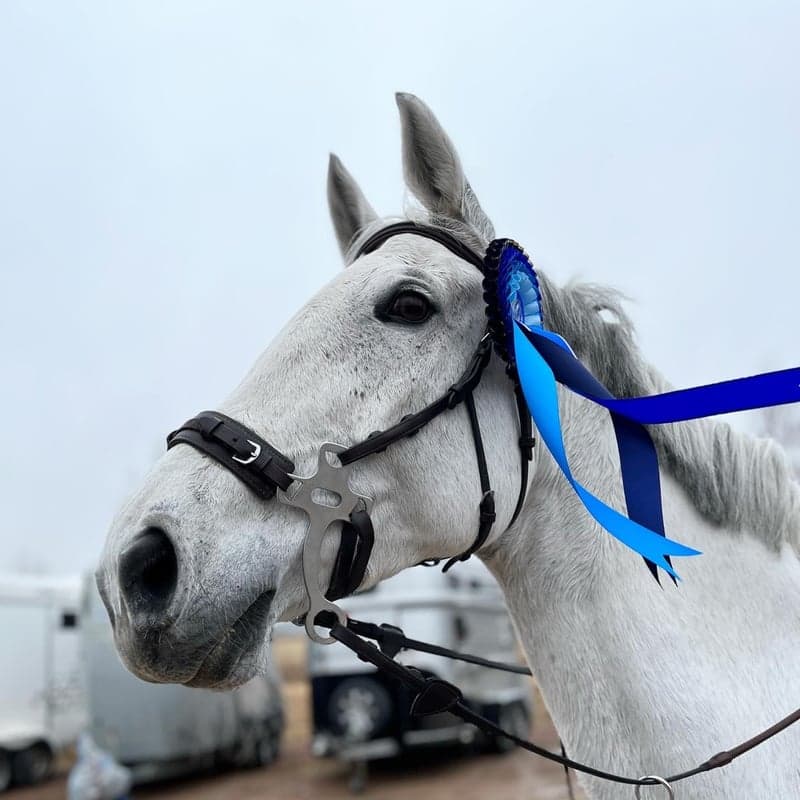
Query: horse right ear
{"x":350,"y":210}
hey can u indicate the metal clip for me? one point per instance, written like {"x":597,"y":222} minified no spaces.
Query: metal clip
{"x":657,"y":781}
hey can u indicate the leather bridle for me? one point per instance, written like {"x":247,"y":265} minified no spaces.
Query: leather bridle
{"x":267,"y":472}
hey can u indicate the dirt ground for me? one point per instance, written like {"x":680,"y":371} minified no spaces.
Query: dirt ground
{"x":297,"y":775}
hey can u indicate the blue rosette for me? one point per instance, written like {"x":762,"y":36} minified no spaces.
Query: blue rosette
{"x":536,"y":359}
{"x":512,"y":294}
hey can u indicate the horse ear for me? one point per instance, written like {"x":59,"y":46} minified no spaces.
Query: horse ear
{"x":350,"y":210}
{"x":432,"y":168}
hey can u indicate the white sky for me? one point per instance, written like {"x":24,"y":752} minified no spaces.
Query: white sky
{"x":162,"y":203}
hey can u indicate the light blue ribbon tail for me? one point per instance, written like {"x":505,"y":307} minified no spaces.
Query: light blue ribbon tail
{"x":539,"y":389}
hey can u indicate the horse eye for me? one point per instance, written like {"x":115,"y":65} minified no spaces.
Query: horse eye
{"x":407,"y":306}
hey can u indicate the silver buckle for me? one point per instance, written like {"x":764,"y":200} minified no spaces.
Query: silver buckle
{"x":326,"y":497}
{"x":256,"y":452}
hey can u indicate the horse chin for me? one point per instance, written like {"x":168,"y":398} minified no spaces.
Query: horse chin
{"x":237,"y":656}
{"x":231,"y":658}
{"x":225,"y":669}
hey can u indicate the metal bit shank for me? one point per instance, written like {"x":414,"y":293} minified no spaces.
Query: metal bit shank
{"x":326,"y":497}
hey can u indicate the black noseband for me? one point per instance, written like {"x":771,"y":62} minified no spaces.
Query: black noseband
{"x":265,"y":470}
{"x":241,"y":450}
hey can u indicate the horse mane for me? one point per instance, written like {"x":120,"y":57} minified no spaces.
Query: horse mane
{"x":735,"y":480}
{"x":738,"y":481}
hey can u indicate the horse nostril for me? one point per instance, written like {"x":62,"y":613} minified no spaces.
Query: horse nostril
{"x":148,"y":572}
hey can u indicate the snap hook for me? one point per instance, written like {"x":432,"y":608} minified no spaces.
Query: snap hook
{"x":657,"y":781}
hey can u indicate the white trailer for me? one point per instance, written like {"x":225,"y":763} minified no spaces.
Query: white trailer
{"x":164,"y":730}
{"x":361,"y":714}
{"x":42,"y":697}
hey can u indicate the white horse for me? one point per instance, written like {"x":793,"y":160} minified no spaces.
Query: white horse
{"x":639,"y":678}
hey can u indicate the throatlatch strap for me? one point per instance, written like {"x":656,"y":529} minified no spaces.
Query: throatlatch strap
{"x":527,"y":442}
{"x":486,"y":513}
{"x":252,"y":459}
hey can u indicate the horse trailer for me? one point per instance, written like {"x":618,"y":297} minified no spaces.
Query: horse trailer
{"x":42,"y":698}
{"x":360,"y":714}
{"x":164,"y":730}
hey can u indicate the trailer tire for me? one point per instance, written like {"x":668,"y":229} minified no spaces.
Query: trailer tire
{"x":32,"y":765}
{"x":267,"y":746}
{"x":5,"y":770}
{"x":242,"y":754}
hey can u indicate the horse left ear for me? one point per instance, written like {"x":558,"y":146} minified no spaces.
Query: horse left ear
{"x":350,"y":210}
{"x":432,"y":168}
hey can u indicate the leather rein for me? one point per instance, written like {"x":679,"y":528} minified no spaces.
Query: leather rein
{"x":267,"y":472}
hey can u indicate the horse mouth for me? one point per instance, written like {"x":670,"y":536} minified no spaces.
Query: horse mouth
{"x":227,"y":664}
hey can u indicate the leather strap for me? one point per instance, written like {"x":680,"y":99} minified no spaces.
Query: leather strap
{"x":350,"y":566}
{"x":252,"y":459}
{"x":486,"y":515}
{"x":527,"y":441}
{"x":378,"y":441}
{"x":443,"y":237}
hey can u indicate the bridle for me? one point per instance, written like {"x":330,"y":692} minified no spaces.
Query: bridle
{"x":327,"y":497}
{"x":265,"y":470}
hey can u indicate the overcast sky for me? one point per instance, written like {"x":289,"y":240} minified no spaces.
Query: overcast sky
{"x":153,"y":154}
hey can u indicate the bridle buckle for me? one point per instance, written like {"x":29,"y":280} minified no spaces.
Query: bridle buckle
{"x":256,"y":452}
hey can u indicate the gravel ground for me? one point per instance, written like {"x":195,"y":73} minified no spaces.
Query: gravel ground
{"x":298,"y":776}
{"x":435,"y":775}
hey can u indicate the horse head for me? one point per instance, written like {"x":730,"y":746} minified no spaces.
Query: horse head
{"x":197,"y":567}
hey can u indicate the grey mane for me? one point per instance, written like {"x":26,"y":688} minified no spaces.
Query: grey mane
{"x":735,"y":480}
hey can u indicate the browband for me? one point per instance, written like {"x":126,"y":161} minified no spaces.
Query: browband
{"x":442,"y":237}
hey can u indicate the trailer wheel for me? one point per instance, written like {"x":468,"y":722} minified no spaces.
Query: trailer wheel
{"x":244,"y":753}
{"x":32,"y":765}
{"x":267,"y":746}
{"x":5,"y":770}
{"x":359,"y":770}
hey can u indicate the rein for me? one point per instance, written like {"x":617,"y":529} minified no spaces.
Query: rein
{"x":433,"y":695}
{"x":268,"y":472}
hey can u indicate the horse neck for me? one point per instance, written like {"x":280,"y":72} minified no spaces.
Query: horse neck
{"x":639,"y":678}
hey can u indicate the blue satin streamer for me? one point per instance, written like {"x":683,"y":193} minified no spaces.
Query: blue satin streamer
{"x":543,"y":357}
{"x":538,"y":383}
{"x":741,"y":394}
{"x":641,"y":481}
